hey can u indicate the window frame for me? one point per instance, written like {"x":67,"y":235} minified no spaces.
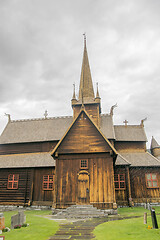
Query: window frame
{"x":84,"y":167}
{"x":13,"y":181}
{"x":151,"y":180}
{"x":48,"y":182}
{"x":119,"y":181}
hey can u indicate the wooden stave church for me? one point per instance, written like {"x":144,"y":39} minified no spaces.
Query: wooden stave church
{"x":84,"y":159}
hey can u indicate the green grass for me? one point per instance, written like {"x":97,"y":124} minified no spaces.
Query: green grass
{"x":129,"y":228}
{"x":135,"y":211}
{"x":39,"y":228}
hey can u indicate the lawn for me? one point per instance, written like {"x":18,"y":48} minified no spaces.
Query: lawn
{"x":129,"y":228}
{"x":39,"y":228}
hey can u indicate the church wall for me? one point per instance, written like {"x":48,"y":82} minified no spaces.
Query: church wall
{"x":40,"y":196}
{"x":100,"y":176}
{"x":18,"y":196}
{"x":130,"y":146}
{"x":26,"y":147}
{"x":83,"y":137}
{"x":92,"y":110}
{"x":140,"y":191}
{"x":121,"y":194}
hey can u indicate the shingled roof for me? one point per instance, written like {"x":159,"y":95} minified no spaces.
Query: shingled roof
{"x":154,"y":143}
{"x":27,"y":160}
{"x":106,"y":126}
{"x":120,"y":160}
{"x":130,"y":133}
{"x":141,"y":159}
{"x":50,"y":129}
{"x":35,"y":130}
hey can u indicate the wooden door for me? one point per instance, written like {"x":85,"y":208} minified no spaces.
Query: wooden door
{"x":83,"y":188}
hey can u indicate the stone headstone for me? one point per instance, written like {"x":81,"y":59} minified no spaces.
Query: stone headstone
{"x":18,"y":219}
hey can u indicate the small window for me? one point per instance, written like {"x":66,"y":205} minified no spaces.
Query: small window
{"x":151,"y":180}
{"x":119,"y":181}
{"x":13,"y":181}
{"x":84,"y":164}
{"x":48,"y":182}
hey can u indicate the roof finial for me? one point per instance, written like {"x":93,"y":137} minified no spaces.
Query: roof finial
{"x":45,"y":114}
{"x":97,"y":94}
{"x":142,"y":122}
{"x":112,"y":108}
{"x":9,"y":116}
{"x":74,"y":93}
{"x":84,"y":34}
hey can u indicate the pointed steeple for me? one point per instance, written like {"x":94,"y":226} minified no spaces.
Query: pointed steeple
{"x":86,"y":85}
{"x":74,"y":93}
{"x":97,"y":94}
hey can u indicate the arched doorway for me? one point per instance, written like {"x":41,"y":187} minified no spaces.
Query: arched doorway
{"x":83,"y":187}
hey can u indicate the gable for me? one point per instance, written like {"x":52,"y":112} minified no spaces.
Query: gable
{"x":83,"y":137}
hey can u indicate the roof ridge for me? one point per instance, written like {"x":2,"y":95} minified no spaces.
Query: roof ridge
{"x":39,"y":119}
{"x":105,"y":114}
{"x":129,"y":125}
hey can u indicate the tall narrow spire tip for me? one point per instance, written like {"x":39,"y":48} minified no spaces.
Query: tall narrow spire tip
{"x":84,"y":35}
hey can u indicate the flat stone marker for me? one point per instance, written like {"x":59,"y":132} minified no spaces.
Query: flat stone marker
{"x":18,"y":219}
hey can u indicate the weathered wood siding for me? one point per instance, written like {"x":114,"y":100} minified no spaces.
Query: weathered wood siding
{"x":26,"y":147}
{"x":140,"y":192}
{"x":92,"y":110}
{"x":121,"y":194}
{"x":40,"y":195}
{"x":83,"y":137}
{"x":18,"y":196}
{"x":101,"y":180}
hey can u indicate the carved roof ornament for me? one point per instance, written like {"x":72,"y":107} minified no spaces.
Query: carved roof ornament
{"x":74,"y":92}
{"x":112,"y":108}
{"x":9,"y":116}
{"x":125,"y":122}
{"x":45,"y":114}
{"x":142,"y":122}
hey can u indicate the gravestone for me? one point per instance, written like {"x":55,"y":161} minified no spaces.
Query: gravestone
{"x":2,"y":224}
{"x":18,"y":219}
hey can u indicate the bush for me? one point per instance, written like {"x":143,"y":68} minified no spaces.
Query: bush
{"x":17,"y":226}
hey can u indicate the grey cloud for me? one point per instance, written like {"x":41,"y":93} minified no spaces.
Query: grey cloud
{"x":41,"y":47}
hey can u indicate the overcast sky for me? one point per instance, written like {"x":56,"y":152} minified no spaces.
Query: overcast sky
{"x":41,"y":49}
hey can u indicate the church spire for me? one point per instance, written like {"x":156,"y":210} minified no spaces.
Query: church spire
{"x":86,"y":85}
{"x":74,"y":92}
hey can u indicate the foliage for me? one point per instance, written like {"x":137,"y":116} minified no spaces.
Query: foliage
{"x":39,"y":227}
{"x":128,"y":229}
{"x":6,"y":229}
{"x":17,"y":226}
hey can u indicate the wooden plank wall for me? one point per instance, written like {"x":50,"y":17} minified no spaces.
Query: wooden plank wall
{"x":92,"y":110}
{"x":101,"y":179}
{"x":27,"y":147}
{"x":140,"y":192}
{"x":83,"y":137}
{"x":18,"y":196}
{"x":121,"y":195}
{"x":40,"y":195}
